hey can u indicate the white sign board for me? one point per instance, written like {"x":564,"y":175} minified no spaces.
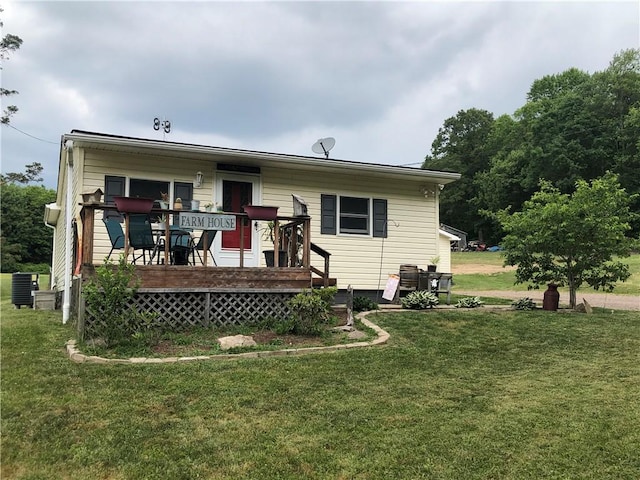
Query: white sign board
{"x":392,"y":286}
{"x":207,"y":221}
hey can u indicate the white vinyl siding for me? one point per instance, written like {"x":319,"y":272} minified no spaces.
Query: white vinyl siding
{"x":356,"y":259}
{"x":160,"y":168}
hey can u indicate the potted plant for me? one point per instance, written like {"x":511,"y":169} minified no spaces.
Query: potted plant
{"x":208,"y":207}
{"x":268,"y":234}
{"x":177,"y":205}
{"x":433,"y":263}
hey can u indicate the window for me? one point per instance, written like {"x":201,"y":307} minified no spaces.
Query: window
{"x":115,"y":186}
{"x":353,"y":215}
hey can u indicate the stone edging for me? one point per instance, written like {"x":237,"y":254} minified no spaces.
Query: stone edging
{"x":76,"y":356}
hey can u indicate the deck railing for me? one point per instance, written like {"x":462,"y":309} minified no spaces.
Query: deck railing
{"x":292,"y":234}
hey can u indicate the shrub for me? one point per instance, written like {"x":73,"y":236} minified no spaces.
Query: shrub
{"x":524,"y":303}
{"x":108,"y":298}
{"x":419,"y":300}
{"x":310,"y":310}
{"x":363,"y":304}
{"x":469,"y":302}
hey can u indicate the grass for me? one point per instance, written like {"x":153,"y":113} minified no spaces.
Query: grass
{"x":474,"y":395}
{"x":506,"y":280}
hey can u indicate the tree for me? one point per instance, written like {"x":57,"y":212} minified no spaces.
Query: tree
{"x":25,"y":238}
{"x":9,"y":44}
{"x":461,"y":146}
{"x":32,"y":174}
{"x":571,"y":239}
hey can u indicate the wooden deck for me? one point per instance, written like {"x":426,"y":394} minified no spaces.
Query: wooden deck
{"x":221,"y":279}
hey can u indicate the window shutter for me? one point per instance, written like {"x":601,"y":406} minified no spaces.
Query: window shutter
{"x":328,"y":206}
{"x":113,"y":187}
{"x":379,"y":218}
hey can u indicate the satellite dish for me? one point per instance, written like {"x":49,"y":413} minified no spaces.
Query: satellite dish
{"x":323,"y":146}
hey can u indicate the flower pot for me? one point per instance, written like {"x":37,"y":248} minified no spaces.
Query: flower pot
{"x":164,"y":205}
{"x":431,"y":268}
{"x":133,"y":205}
{"x":260,"y":212}
{"x":195,"y":205}
{"x":269,"y":258}
{"x":209,"y":208}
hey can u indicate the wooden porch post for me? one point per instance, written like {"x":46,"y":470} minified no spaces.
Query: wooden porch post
{"x":87,"y":214}
{"x":242,"y":220}
{"x":306,"y":238}
{"x":276,"y":243}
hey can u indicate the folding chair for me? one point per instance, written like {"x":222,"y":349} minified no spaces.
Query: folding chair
{"x":141,"y":237}
{"x":116,"y":235}
{"x":200,"y":245}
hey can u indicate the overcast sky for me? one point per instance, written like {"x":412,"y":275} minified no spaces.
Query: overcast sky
{"x":379,"y":77}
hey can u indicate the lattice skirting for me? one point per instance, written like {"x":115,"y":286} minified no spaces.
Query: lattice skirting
{"x":182,"y":310}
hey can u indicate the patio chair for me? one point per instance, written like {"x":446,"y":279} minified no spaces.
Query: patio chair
{"x":200,"y":245}
{"x":116,"y":235}
{"x":141,"y":237}
{"x":181,"y":247}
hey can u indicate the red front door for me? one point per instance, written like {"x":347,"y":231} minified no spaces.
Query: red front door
{"x":235,"y":195}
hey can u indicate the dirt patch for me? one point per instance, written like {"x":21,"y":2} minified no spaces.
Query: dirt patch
{"x":208,"y":346}
{"x":475,"y":268}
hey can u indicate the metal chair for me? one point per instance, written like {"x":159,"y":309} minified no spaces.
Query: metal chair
{"x":141,"y":237}
{"x":181,"y":247}
{"x":200,"y":245}
{"x":116,"y":235}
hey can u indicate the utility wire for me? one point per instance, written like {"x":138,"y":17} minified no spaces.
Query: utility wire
{"x":29,"y":135}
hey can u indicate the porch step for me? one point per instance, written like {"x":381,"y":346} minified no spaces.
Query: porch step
{"x":319,"y":282}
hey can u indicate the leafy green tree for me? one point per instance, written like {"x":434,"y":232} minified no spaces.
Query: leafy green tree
{"x":9,"y":44}
{"x":25,"y":238}
{"x":461,"y":146}
{"x":32,"y":174}
{"x":571,"y":239}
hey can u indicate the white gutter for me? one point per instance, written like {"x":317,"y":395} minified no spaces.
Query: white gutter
{"x":414,"y":174}
{"x":68,"y":261}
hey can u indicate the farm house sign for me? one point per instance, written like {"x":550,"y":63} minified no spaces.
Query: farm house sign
{"x":207,"y":221}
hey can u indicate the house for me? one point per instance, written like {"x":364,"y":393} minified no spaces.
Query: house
{"x":370,"y":218}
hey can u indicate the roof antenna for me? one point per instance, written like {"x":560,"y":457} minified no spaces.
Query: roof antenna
{"x":324,"y":145}
{"x":164,"y":124}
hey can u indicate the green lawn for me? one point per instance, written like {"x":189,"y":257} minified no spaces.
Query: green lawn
{"x":505,"y":280}
{"x":453,"y":395}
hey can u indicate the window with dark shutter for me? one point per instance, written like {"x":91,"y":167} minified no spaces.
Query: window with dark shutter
{"x":379,"y":218}
{"x":328,"y":214}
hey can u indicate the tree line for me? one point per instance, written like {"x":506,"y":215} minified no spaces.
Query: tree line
{"x":574,"y":127}
{"x":25,"y":242}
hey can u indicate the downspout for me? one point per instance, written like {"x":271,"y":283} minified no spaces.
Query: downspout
{"x":68,"y":261}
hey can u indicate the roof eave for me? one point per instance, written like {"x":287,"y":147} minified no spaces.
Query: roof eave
{"x":264,"y":158}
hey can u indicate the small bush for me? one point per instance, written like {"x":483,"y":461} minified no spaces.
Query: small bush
{"x":310,"y":310}
{"x":469,"y":302}
{"x":364,"y":304}
{"x":419,"y":300}
{"x":108,"y":296}
{"x":524,"y":303}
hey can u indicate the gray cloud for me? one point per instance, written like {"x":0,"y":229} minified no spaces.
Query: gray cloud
{"x":381,"y":77}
